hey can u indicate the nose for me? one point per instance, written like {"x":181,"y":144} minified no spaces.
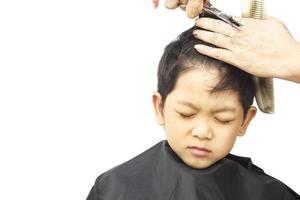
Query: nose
{"x":202,"y":131}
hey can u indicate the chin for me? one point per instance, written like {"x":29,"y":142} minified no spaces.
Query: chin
{"x":197,"y":164}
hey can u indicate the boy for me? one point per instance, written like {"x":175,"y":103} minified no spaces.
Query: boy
{"x":203,"y":104}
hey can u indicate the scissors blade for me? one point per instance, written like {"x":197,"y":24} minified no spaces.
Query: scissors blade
{"x":211,"y":10}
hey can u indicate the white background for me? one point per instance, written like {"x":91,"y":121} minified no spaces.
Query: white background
{"x":76,"y":79}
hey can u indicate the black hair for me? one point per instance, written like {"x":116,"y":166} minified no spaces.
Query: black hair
{"x":175,"y":57}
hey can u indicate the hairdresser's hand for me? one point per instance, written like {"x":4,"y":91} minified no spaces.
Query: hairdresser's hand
{"x":264,"y":48}
{"x":192,"y":7}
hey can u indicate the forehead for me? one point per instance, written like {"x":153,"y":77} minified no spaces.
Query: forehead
{"x":195,"y":78}
{"x":196,"y":84}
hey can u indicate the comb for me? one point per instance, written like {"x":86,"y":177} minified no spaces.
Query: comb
{"x":264,"y":95}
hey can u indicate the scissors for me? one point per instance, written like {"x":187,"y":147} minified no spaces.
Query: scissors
{"x":216,"y":13}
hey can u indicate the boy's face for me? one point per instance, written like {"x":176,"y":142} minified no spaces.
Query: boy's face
{"x":194,"y":118}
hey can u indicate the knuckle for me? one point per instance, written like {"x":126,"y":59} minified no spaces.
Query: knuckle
{"x":214,"y":38}
{"x":213,"y":24}
{"x":218,"y":54}
{"x":222,"y":25}
{"x":231,"y":40}
{"x":230,"y":34}
{"x":278,"y":21}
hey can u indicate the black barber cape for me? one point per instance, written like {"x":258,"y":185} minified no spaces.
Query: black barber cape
{"x":159,"y":174}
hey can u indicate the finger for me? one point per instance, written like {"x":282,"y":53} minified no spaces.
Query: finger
{"x":216,"y":39}
{"x":206,"y":2}
{"x":217,"y":26}
{"x":171,"y":4}
{"x":193,"y":8}
{"x":183,"y":7}
{"x":182,"y":4}
{"x":155,"y":3}
{"x":217,"y":53}
{"x":239,"y":20}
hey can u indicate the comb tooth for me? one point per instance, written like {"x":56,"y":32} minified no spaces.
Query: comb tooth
{"x":257,"y":9}
{"x":253,"y":8}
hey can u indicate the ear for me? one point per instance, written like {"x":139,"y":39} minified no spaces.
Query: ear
{"x":157,"y":104}
{"x":248,"y":118}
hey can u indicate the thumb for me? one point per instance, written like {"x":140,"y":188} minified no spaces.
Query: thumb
{"x":194,"y":8}
{"x":155,"y":3}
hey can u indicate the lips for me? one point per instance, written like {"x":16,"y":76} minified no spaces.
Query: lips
{"x":199,"y":151}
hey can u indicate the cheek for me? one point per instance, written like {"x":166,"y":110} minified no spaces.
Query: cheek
{"x":226,"y":132}
{"x":175,"y":126}
{"x":225,"y":138}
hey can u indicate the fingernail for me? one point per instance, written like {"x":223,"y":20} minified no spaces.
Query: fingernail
{"x":182,"y":6}
{"x":198,"y":24}
{"x":195,"y":32}
{"x":200,"y":21}
{"x":199,"y":47}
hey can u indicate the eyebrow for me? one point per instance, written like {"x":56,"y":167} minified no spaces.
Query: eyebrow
{"x":223,"y":109}
{"x":214,"y":110}
{"x":189,"y":104}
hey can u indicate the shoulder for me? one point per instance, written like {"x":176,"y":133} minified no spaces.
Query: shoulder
{"x":138,"y":165}
{"x":259,"y":180}
{"x":128,"y":176}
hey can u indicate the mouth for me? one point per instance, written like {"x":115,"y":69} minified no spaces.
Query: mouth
{"x":199,"y":151}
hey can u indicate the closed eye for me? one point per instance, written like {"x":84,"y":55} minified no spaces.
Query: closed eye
{"x":186,"y":115}
{"x":223,"y":121}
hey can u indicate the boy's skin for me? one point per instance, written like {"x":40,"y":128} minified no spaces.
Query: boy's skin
{"x":159,"y":174}
{"x":212,"y":121}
